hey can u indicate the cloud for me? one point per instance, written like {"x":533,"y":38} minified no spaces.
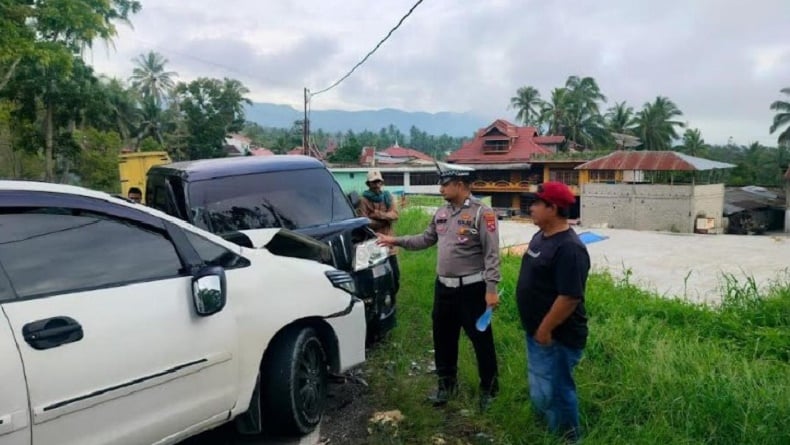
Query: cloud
{"x":721,"y":61}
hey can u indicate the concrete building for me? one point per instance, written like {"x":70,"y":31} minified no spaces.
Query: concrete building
{"x":416,"y":179}
{"x":637,"y":196}
{"x":503,"y":155}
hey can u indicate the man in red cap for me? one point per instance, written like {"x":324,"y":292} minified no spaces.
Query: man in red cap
{"x":550,"y":296}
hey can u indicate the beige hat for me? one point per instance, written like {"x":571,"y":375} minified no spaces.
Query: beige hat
{"x":374,"y":175}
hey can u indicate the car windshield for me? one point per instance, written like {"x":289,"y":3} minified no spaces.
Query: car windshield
{"x":291,"y":199}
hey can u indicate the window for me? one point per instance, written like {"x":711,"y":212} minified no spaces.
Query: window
{"x":392,"y":178}
{"x":496,"y":146}
{"x":156,"y":194}
{"x":213,"y":254}
{"x":602,"y":176}
{"x":569,"y":177}
{"x":47,"y":251}
{"x":6,"y":292}
{"x":424,"y":179}
{"x":291,"y":199}
{"x":341,"y":208}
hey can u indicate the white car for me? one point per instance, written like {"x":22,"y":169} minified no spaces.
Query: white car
{"x":122,"y":325}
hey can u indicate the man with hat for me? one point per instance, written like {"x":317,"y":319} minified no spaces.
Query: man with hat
{"x":379,"y":206}
{"x":466,"y":285}
{"x":550,"y":296}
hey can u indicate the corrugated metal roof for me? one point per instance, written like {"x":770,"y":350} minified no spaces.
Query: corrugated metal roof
{"x":738,"y":199}
{"x":514,"y":166}
{"x":652,"y":161}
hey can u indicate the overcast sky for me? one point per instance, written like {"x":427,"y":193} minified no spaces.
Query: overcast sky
{"x":721,"y":61}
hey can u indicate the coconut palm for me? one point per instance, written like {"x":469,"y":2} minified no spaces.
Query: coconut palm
{"x":620,"y":119}
{"x":527,"y":104}
{"x":656,"y":124}
{"x":693,"y":144}
{"x":782,"y":118}
{"x":150,"y":79}
{"x":122,"y":106}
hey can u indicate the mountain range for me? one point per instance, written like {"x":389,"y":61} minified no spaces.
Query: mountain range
{"x":452,"y":124}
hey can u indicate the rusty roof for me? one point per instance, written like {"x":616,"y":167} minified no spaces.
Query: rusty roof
{"x":652,"y":161}
{"x":787,"y":174}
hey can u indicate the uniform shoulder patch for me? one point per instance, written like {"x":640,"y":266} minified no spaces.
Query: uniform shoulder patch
{"x":490,"y":217}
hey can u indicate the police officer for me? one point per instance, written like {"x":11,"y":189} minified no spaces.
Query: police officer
{"x":468,"y":272}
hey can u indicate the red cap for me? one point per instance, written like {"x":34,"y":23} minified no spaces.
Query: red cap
{"x":556,"y":193}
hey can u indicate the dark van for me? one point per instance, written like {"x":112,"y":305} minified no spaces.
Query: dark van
{"x":235,"y":196}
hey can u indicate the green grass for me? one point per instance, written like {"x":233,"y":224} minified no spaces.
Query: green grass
{"x":433,"y":200}
{"x":655,"y":370}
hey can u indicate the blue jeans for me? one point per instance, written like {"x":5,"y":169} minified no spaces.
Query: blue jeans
{"x":551,"y":386}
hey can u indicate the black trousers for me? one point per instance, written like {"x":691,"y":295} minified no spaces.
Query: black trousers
{"x":453,"y":309}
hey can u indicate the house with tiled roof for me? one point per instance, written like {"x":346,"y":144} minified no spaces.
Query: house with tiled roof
{"x":400,"y":155}
{"x":511,"y":160}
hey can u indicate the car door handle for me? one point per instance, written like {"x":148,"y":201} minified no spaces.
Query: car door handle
{"x":52,"y":332}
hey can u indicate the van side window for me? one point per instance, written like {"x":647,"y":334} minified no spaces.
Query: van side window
{"x":47,"y":251}
{"x":156,"y":194}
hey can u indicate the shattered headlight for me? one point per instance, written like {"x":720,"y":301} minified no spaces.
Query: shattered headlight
{"x":369,"y":254}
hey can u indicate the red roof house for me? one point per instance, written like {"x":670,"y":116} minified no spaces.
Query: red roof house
{"x":505,"y":143}
{"x":398,"y":152}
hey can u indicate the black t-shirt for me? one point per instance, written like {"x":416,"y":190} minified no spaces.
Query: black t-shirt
{"x":553,"y":266}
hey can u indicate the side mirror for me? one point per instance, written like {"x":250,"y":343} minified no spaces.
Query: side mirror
{"x":209,"y":290}
{"x":354,"y":198}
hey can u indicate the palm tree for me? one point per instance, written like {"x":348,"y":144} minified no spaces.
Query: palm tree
{"x":150,"y":79}
{"x":527,"y":104}
{"x":586,"y":94}
{"x":693,"y":144}
{"x":574,"y":112}
{"x":782,"y":118}
{"x":656,"y":126}
{"x":554,"y":112}
{"x":122,"y":106}
{"x":620,"y":119}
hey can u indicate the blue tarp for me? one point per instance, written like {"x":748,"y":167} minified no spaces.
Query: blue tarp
{"x":590,"y":237}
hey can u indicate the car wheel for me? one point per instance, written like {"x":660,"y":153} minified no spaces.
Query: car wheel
{"x":294,"y":383}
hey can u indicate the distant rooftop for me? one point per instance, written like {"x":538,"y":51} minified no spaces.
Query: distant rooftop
{"x":652,"y":161}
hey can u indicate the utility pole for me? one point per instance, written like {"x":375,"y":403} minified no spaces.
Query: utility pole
{"x":305,"y":130}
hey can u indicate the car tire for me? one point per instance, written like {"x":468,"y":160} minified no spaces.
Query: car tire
{"x":294,"y":383}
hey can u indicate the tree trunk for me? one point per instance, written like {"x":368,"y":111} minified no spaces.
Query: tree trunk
{"x":9,"y":74}
{"x":48,"y":142}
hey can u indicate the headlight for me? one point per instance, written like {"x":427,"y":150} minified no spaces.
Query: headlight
{"x":342,"y":280}
{"x":369,"y":254}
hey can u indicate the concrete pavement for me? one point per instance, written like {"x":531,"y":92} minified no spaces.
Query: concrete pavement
{"x":689,"y":266}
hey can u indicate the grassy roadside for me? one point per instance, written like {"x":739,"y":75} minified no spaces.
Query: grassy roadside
{"x":655,"y":370}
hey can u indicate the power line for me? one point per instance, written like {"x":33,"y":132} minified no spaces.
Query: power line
{"x":371,"y":52}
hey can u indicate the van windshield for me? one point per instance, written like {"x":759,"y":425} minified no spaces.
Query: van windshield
{"x":292,"y":199}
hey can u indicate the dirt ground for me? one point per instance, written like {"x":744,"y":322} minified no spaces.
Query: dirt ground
{"x":345,"y":420}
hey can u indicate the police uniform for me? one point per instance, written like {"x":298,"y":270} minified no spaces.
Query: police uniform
{"x":467,"y":268}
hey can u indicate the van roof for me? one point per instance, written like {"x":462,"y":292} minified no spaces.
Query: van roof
{"x":218,"y":168}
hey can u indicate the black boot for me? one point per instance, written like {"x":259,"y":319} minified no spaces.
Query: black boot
{"x":444,"y":392}
{"x":488,"y":394}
